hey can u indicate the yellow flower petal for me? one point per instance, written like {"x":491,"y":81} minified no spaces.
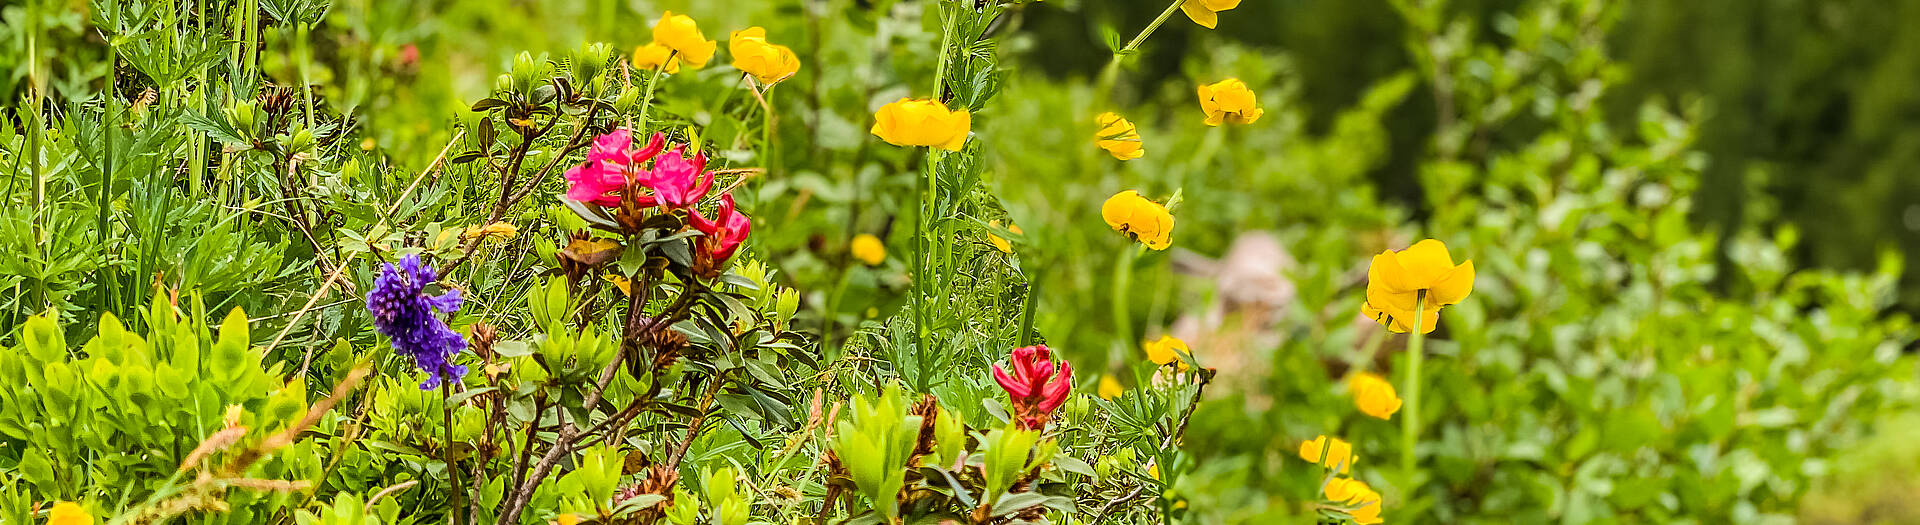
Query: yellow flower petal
{"x":1454,"y":287}
{"x":68,"y":513}
{"x":868,"y":249}
{"x":1373,"y":395}
{"x":682,"y":35}
{"x":1109,"y":388}
{"x":1167,"y":350}
{"x":908,"y":122}
{"x":1338,"y":452}
{"x":1197,"y":10}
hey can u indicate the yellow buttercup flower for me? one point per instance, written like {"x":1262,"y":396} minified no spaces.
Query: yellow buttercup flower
{"x":1000,"y":243}
{"x":68,"y":513}
{"x":924,"y":122}
{"x":1373,"y":395}
{"x":868,"y":249}
{"x":1144,"y":220}
{"x":1339,"y":453}
{"x":1420,"y":278}
{"x":681,"y":34}
{"x":1118,"y":136}
{"x":656,"y":55}
{"x":765,"y":61}
{"x":1167,"y":350}
{"x":1363,"y":501}
{"x":1229,"y":101}
{"x":567,"y":519}
{"x":1109,"y":388}
{"x":1207,"y":12}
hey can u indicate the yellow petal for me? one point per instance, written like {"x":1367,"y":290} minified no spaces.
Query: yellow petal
{"x":1453,"y":287}
{"x":1198,"y":11}
{"x":1426,"y":262}
{"x":1109,"y":388}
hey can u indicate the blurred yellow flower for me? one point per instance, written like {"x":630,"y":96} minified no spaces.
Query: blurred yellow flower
{"x":1000,"y":243}
{"x":681,"y":34}
{"x":654,"y":56}
{"x":1118,"y":136}
{"x":1207,"y":12}
{"x":1141,"y":219}
{"x":765,"y":61}
{"x":1229,"y":101}
{"x":1373,"y":395}
{"x":567,"y":519}
{"x":924,"y":122}
{"x":1109,"y":387}
{"x":1398,"y":281}
{"x":499,"y":230}
{"x":868,"y":249}
{"x":1167,"y":351}
{"x":68,"y":513}
{"x":1358,"y":496}
{"x":1339,"y":454}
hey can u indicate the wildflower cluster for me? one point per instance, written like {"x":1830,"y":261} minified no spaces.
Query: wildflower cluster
{"x":677,"y":41}
{"x":404,"y":313}
{"x":638,"y":182}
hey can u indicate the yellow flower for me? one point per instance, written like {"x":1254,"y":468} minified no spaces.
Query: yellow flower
{"x":68,"y":513}
{"x":1167,"y":351}
{"x":1118,"y":136}
{"x":1397,"y":282}
{"x":1207,"y":12}
{"x":1229,"y":101}
{"x":1000,"y":243}
{"x":654,"y":56}
{"x":868,"y":249}
{"x":682,"y":35}
{"x":1373,"y":395}
{"x":926,"y":122}
{"x":567,"y":519}
{"x":500,"y":230}
{"x":1339,"y":454}
{"x":1110,"y":388}
{"x":1362,"y":500}
{"x":768,"y":62}
{"x":1143,"y":220}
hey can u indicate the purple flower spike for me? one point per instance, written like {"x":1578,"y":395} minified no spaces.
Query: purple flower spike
{"x":403,"y":314}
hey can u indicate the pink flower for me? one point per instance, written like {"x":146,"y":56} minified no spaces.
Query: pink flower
{"x":612,"y":164}
{"x":1037,"y":388}
{"x":679,"y":182}
{"x":722,"y":237}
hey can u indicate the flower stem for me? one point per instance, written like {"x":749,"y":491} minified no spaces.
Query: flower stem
{"x":1410,"y":420}
{"x":1113,"y":67}
{"x":646,"y":101}
{"x":1122,"y":281}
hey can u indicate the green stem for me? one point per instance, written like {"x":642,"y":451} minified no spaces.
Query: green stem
{"x":1113,"y":67}
{"x":646,"y":101}
{"x":1122,"y":284}
{"x":923,"y":223}
{"x":1410,"y":416}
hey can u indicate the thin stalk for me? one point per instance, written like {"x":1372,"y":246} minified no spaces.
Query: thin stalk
{"x":646,"y":101}
{"x":1122,"y":283}
{"x":1410,"y":422}
{"x":306,"y":57}
{"x":34,"y":127}
{"x":1113,"y":67}
{"x":453,"y":470}
{"x":924,"y":221}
